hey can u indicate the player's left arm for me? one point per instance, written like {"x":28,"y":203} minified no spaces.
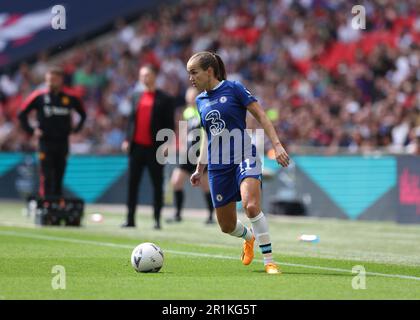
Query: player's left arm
{"x":259,"y":114}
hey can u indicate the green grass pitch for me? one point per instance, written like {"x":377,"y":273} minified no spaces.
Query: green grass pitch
{"x":203,"y":263}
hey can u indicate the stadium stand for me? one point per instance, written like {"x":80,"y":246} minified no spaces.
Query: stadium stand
{"x":323,"y":83}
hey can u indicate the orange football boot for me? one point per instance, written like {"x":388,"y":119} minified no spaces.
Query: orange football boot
{"x":248,"y":251}
{"x":271,"y":268}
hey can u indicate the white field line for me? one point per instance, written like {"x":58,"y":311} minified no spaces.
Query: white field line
{"x":193,"y":254}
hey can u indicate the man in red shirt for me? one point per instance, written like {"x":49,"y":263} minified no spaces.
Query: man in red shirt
{"x":152,"y":110}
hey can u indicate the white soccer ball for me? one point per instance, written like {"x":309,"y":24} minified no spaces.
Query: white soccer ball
{"x":147,"y":257}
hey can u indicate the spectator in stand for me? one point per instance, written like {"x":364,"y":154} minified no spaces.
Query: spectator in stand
{"x":301,"y":57}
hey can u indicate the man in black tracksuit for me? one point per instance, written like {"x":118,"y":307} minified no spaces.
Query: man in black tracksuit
{"x":53,"y":106}
{"x":152,"y":110}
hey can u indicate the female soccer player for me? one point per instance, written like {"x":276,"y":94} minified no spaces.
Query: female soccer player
{"x":222,"y":105}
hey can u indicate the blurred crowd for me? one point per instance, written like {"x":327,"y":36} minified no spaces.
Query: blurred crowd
{"x":322,"y":82}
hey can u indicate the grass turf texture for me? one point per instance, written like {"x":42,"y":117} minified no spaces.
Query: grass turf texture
{"x":202,"y":263}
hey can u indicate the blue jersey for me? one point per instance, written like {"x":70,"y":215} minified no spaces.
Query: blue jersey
{"x":223,"y":116}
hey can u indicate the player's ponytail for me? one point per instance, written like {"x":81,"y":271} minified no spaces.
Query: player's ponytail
{"x":208,"y":59}
{"x":221,"y":75}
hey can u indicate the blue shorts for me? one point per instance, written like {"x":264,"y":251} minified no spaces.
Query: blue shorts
{"x":225,"y":184}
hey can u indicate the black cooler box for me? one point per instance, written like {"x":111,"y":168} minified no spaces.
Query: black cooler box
{"x":56,"y":211}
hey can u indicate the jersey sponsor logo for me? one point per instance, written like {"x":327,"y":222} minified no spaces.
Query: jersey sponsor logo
{"x":217,"y":125}
{"x":211,"y":103}
{"x":50,"y":111}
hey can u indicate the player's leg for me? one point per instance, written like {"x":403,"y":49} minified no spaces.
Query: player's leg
{"x":156,"y":175}
{"x":46,"y":174}
{"x":251,"y":201}
{"x":178,"y":178}
{"x":60,"y":167}
{"x":206,"y":190}
{"x":135,"y":171}
{"x":224,"y":192}
{"x":229,"y":223}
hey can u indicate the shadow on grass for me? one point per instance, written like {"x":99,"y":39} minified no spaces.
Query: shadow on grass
{"x":325,"y":274}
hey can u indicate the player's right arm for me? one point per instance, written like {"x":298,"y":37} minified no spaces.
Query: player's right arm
{"x":30,"y":103}
{"x":201,"y":162}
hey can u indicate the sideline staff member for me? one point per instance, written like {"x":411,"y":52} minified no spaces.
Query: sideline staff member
{"x":53,"y":105}
{"x":152,"y":110}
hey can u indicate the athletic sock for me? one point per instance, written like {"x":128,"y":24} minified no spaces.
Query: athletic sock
{"x":179,"y":201}
{"x":241,"y":231}
{"x":209,"y":205}
{"x":260,"y":229}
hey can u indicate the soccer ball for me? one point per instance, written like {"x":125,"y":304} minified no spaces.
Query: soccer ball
{"x":147,"y":257}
